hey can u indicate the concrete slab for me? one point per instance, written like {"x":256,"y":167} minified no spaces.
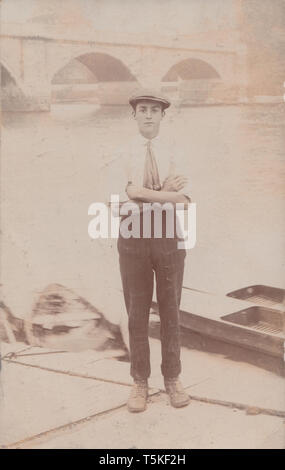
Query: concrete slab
{"x":235,"y":382}
{"x":36,"y":400}
{"x":90,"y":363}
{"x":198,"y":426}
{"x":67,"y":399}
{"x":98,"y":364}
{"x":84,"y":364}
{"x":81,"y":362}
{"x":16,"y":347}
{"x":206,"y":375}
{"x":214,"y":376}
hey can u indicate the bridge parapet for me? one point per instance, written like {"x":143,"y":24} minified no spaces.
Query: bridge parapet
{"x":224,"y":41}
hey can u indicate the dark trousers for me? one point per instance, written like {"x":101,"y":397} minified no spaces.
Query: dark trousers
{"x":140,"y":259}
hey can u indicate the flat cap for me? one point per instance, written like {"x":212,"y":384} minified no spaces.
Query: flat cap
{"x":149,"y":95}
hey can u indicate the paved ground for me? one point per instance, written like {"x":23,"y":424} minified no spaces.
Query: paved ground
{"x":53,"y":399}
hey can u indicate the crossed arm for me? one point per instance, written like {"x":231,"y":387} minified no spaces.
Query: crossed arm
{"x":168,"y":193}
{"x":138,"y":195}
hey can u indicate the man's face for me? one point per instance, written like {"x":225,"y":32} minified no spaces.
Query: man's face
{"x":148,"y":115}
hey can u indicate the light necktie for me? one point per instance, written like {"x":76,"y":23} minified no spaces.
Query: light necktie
{"x":151,"y":176}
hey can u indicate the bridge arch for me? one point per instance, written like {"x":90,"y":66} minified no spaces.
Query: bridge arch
{"x":194,"y":81}
{"x":103,"y":66}
{"x":95,"y":77}
{"x":12,"y":94}
{"x":8,"y":76}
{"x":191,"y":69}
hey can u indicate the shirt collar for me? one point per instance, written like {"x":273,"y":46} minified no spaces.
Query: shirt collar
{"x":144,"y":141}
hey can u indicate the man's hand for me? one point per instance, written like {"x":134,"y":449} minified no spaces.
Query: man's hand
{"x":133,"y":191}
{"x":174,"y":183}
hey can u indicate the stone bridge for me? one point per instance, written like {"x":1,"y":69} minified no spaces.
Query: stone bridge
{"x":36,"y":63}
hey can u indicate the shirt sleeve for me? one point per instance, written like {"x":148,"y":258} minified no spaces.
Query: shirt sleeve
{"x":118,"y":179}
{"x":114,"y":177}
{"x":181,"y":167}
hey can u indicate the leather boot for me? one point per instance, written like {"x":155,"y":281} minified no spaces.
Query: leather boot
{"x":138,"y":396}
{"x":178,"y":396}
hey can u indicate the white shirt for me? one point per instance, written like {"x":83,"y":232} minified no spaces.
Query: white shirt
{"x":128,"y":166}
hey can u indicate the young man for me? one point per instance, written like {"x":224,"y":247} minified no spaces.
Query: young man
{"x":152,"y":176}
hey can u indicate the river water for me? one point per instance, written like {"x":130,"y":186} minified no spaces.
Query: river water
{"x":54,"y":166}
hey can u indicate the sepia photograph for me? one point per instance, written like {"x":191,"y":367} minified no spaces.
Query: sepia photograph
{"x":142,"y":192}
